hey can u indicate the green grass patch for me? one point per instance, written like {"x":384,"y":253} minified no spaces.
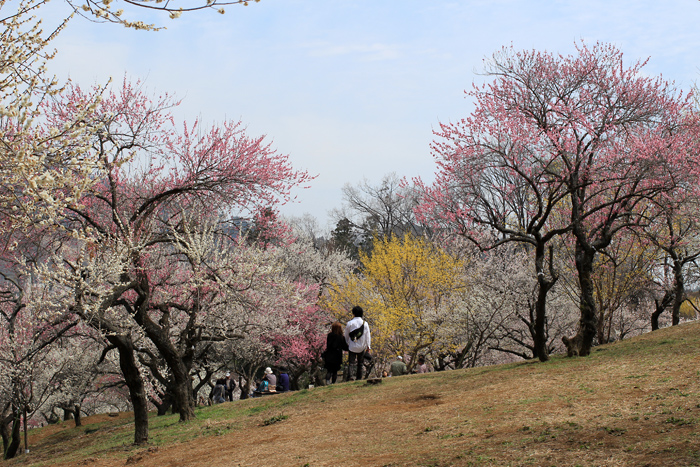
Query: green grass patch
{"x":275,"y":419}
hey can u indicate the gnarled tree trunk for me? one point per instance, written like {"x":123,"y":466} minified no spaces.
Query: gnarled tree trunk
{"x":582,"y":342}
{"x":12,"y":446}
{"x":134,"y":381}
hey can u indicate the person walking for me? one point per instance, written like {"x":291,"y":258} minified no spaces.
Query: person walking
{"x":398,"y":368}
{"x":230,"y":386}
{"x":359,"y":341}
{"x":333,"y":356}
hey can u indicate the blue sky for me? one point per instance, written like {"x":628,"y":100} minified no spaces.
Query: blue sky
{"x":353,"y":89}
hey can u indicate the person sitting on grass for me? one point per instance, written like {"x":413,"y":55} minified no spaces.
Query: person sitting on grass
{"x":271,"y":379}
{"x":422,"y":367}
{"x":398,"y":368}
{"x":264,"y":386}
{"x":283,"y":381}
{"x":267,"y":385}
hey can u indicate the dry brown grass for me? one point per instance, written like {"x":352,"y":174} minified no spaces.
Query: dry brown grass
{"x":633,"y":403}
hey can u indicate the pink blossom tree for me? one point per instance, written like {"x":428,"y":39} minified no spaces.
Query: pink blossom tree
{"x":300,"y":351}
{"x":37,"y":159}
{"x":294,"y":328}
{"x":563,"y":144}
{"x":143,"y":221}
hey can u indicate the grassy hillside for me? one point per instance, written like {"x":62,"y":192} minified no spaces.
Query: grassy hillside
{"x":632,"y":403}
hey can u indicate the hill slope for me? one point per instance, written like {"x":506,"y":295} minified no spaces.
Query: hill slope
{"x":631,"y":403}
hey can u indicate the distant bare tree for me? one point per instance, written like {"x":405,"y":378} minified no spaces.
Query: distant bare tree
{"x":380,"y":210}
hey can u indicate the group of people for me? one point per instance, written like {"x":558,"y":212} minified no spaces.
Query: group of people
{"x":223,"y":390}
{"x":270,"y":383}
{"x":356,"y":340}
{"x":399,"y":368}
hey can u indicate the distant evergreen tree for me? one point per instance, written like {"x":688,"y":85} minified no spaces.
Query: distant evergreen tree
{"x":344,"y":237}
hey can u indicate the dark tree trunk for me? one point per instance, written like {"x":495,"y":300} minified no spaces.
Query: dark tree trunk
{"x":137,"y":391}
{"x":583,"y":341}
{"x":461,"y":356}
{"x":678,"y":293}
{"x":659,"y":309}
{"x":544,"y":285}
{"x":182,"y":394}
{"x":163,"y":408}
{"x":296,"y":375}
{"x":204,"y":382}
{"x":24,"y":423}
{"x":5,"y":432}
{"x":164,"y":404}
{"x":128,"y":362}
{"x":181,"y":384}
{"x":673,"y":297}
{"x":177,"y":362}
{"x":540,"y":338}
{"x":13,"y":445}
{"x":72,"y":412}
{"x":245,"y":387}
{"x":78,"y":419}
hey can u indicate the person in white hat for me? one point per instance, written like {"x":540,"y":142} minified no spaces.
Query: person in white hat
{"x":271,"y":379}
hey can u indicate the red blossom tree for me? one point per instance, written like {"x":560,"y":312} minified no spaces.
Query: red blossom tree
{"x":563,"y":144}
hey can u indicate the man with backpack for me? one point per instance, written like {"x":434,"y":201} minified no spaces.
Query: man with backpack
{"x":359,"y":341}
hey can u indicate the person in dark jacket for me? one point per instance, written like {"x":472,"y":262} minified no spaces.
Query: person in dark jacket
{"x":333,"y":356}
{"x":230,"y":386}
{"x":218,"y":392}
{"x":283,"y":381}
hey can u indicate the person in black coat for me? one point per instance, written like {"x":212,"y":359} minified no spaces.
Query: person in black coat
{"x":333,"y":356}
{"x":218,"y":392}
{"x":230,"y":386}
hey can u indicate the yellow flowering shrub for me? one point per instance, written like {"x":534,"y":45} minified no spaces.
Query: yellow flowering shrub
{"x":404,"y":287}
